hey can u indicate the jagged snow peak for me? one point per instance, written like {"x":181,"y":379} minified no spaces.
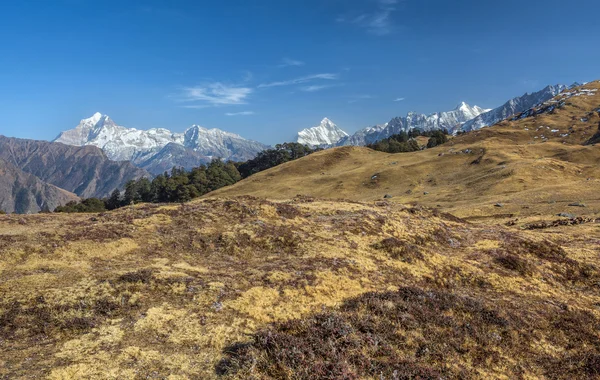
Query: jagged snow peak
{"x":324,"y":134}
{"x":512,"y":107}
{"x":142,"y":146}
{"x":449,"y":120}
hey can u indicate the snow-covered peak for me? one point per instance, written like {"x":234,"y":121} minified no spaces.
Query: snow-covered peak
{"x":326,"y":133}
{"x":469,"y":112}
{"x":462,"y":106}
{"x":141,"y":146}
{"x":94,"y":119}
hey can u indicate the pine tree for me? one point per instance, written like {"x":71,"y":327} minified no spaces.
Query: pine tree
{"x":114,"y":201}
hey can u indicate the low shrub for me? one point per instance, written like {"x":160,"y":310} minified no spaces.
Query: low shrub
{"x":515,"y":263}
{"x":400,"y":249}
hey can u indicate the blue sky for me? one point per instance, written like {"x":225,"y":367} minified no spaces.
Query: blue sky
{"x":268,"y":68}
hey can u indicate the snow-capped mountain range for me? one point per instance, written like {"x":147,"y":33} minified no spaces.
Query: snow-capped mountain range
{"x":439,"y":120}
{"x":324,"y":134}
{"x":159,"y":148}
{"x":512,"y":107}
{"x":463,"y":118}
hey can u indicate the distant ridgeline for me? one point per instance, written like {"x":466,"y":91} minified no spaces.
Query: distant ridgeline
{"x":405,"y":141}
{"x":181,"y":185}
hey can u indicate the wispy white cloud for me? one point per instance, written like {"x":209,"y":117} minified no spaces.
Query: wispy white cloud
{"x":243,"y":113}
{"x":305,"y":79}
{"x":378,"y":21}
{"x":287,"y":62}
{"x":316,"y":87}
{"x":399,"y":99}
{"x":196,"y":106}
{"x":215,"y":94}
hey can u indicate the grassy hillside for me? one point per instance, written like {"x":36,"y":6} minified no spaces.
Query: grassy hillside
{"x":534,"y":166}
{"x":247,"y":287}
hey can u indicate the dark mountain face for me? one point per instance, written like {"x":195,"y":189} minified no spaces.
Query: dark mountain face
{"x":24,"y":193}
{"x":85,"y":171}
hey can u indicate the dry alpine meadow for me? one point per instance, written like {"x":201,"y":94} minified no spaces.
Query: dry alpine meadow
{"x":477,"y":259}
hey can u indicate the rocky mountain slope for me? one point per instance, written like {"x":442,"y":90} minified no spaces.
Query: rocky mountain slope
{"x":24,"y":193}
{"x":512,"y":107}
{"x":439,"y":120}
{"x":85,"y":171}
{"x":324,"y":134}
{"x":145,"y":148}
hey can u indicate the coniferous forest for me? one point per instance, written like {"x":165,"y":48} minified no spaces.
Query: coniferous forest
{"x":182,"y":185}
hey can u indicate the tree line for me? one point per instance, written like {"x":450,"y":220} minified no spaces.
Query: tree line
{"x":406,"y":141}
{"x":182,"y":185}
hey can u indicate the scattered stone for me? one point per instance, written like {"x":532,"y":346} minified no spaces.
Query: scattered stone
{"x":387,"y":196}
{"x":561,"y":222}
{"x":426,"y":193}
{"x":577,"y":204}
{"x":499,"y":205}
{"x":374,"y":177}
{"x":217,"y":306}
{"x":409,"y":191}
{"x":566,"y":215}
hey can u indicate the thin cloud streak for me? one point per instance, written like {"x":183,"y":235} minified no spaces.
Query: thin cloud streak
{"x":377,"y":22}
{"x":288,"y":62}
{"x":243,"y":113}
{"x":399,"y":99}
{"x":315,"y":88}
{"x":216,"y":94}
{"x":305,"y":79}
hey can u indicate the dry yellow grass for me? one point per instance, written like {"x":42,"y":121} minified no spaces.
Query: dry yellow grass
{"x":110,"y":296}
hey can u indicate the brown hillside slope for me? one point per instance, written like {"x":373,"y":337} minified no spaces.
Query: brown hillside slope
{"x":533,"y":166}
{"x":85,"y":171}
{"x":190,"y":292}
{"x":24,"y":193}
